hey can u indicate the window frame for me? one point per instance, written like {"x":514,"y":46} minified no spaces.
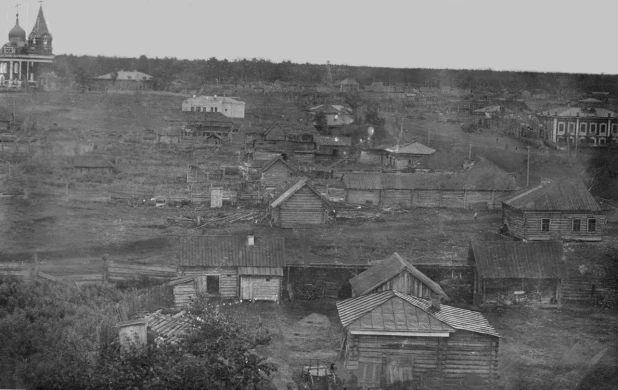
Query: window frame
{"x":571,"y":127}
{"x":593,"y":128}
{"x":579,"y":225}
{"x":592,"y":222}
{"x":208,"y":284}
{"x":561,"y":127}
{"x":614,"y":128}
{"x":543,"y":224}
{"x":603,"y":128}
{"x":583,"y":128}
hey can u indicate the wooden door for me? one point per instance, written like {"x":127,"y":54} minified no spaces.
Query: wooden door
{"x":398,"y":371}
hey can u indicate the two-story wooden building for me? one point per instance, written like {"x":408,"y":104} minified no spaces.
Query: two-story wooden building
{"x":562,"y":210}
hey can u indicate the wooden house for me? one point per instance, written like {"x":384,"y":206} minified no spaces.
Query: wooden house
{"x":553,"y":210}
{"x":300,"y":205}
{"x":231,"y":267}
{"x":390,"y":336}
{"x":92,"y":163}
{"x":398,"y":274}
{"x":276,"y":171}
{"x":202,"y":124}
{"x":333,"y":146}
{"x":408,"y":155}
{"x":515,"y":271}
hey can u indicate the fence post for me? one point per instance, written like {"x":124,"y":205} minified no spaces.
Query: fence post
{"x":105,"y":268}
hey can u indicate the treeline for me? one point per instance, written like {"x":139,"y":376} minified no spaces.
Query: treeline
{"x":170,"y":72}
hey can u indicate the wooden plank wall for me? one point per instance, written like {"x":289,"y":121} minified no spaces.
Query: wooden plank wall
{"x":362,"y":196}
{"x":228,"y":279}
{"x":406,"y":283}
{"x":303,"y":208}
{"x":257,"y":287}
{"x":471,"y":353}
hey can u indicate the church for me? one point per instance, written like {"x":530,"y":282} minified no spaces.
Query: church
{"x":24,"y":59}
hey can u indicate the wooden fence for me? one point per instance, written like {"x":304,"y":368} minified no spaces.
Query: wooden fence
{"x":86,"y":271}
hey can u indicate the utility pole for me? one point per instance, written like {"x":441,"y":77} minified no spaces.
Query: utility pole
{"x":528,"y":168}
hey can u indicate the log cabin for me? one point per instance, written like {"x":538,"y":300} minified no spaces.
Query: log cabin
{"x":562,"y":210}
{"x":276,"y":171}
{"x":515,"y":271}
{"x":479,"y":187}
{"x":391,"y":335}
{"x":300,"y":206}
{"x":398,"y":274}
{"x":231,"y":267}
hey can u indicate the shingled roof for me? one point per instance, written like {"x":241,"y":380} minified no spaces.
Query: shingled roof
{"x":353,"y":309}
{"x":231,"y":251}
{"x":564,"y":195}
{"x":386,"y":270}
{"x":516,"y":259}
{"x":302,"y":182}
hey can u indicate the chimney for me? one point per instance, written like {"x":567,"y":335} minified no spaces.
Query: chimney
{"x":435,"y":302}
{"x":250,"y":240}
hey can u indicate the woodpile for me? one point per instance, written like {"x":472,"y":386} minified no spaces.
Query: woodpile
{"x":235,"y":217}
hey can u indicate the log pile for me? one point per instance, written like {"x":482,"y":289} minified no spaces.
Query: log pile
{"x":235,"y":217}
{"x":168,"y":327}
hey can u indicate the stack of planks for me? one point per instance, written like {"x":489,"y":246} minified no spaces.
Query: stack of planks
{"x":235,"y":217}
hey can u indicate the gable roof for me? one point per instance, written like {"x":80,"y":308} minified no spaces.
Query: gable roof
{"x":302,"y":182}
{"x":411,"y":148}
{"x":126,"y":75}
{"x":461,"y":319}
{"x":516,"y":259}
{"x":91,"y":161}
{"x":231,"y":251}
{"x":562,"y":195}
{"x":274,"y":160}
{"x":386,"y":270}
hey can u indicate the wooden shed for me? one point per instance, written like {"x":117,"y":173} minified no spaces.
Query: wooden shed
{"x":299,"y":206}
{"x":398,"y":274}
{"x":132,"y":334}
{"x":391,"y":336}
{"x":553,"y":210}
{"x":276,"y":171}
{"x":231,"y":267}
{"x":515,"y":271}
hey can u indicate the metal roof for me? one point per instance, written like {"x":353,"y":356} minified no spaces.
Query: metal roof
{"x":564,"y":195}
{"x":579,"y":111}
{"x":261,"y":271}
{"x":293,"y":189}
{"x":231,"y":251}
{"x":516,"y":259}
{"x":386,"y":270}
{"x":126,"y":75}
{"x":411,"y":148}
{"x":354,"y":308}
{"x":332,"y":140}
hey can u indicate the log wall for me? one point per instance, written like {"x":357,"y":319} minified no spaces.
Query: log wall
{"x":260,"y":287}
{"x":363,"y":196}
{"x":228,"y":279}
{"x":561,"y":224}
{"x":406,"y":283}
{"x":303,"y":208}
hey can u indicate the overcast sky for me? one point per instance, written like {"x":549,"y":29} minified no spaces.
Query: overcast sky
{"x":540,"y":35}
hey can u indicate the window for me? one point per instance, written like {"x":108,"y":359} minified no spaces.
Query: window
{"x":582,"y":128}
{"x":593,"y":128}
{"x":615,"y":128}
{"x":561,"y":127}
{"x":577,"y":225}
{"x":571,"y":127}
{"x":592,"y":225}
{"x":545,"y":224}
{"x":216,"y":109}
{"x":212,"y":284}
{"x":601,"y":141}
{"x":602,"y":128}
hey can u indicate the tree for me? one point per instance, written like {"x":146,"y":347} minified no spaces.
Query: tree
{"x":320,"y":121}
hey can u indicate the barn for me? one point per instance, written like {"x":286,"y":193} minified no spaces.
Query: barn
{"x":515,"y":271}
{"x":391,"y":336}
{"x":398,"y":274}
{"x":553,"y":210}
{"x":300,"y":206}
{"x":230,"y":267}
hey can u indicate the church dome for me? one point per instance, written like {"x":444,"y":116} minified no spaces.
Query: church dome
{"x":17,"y":34}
